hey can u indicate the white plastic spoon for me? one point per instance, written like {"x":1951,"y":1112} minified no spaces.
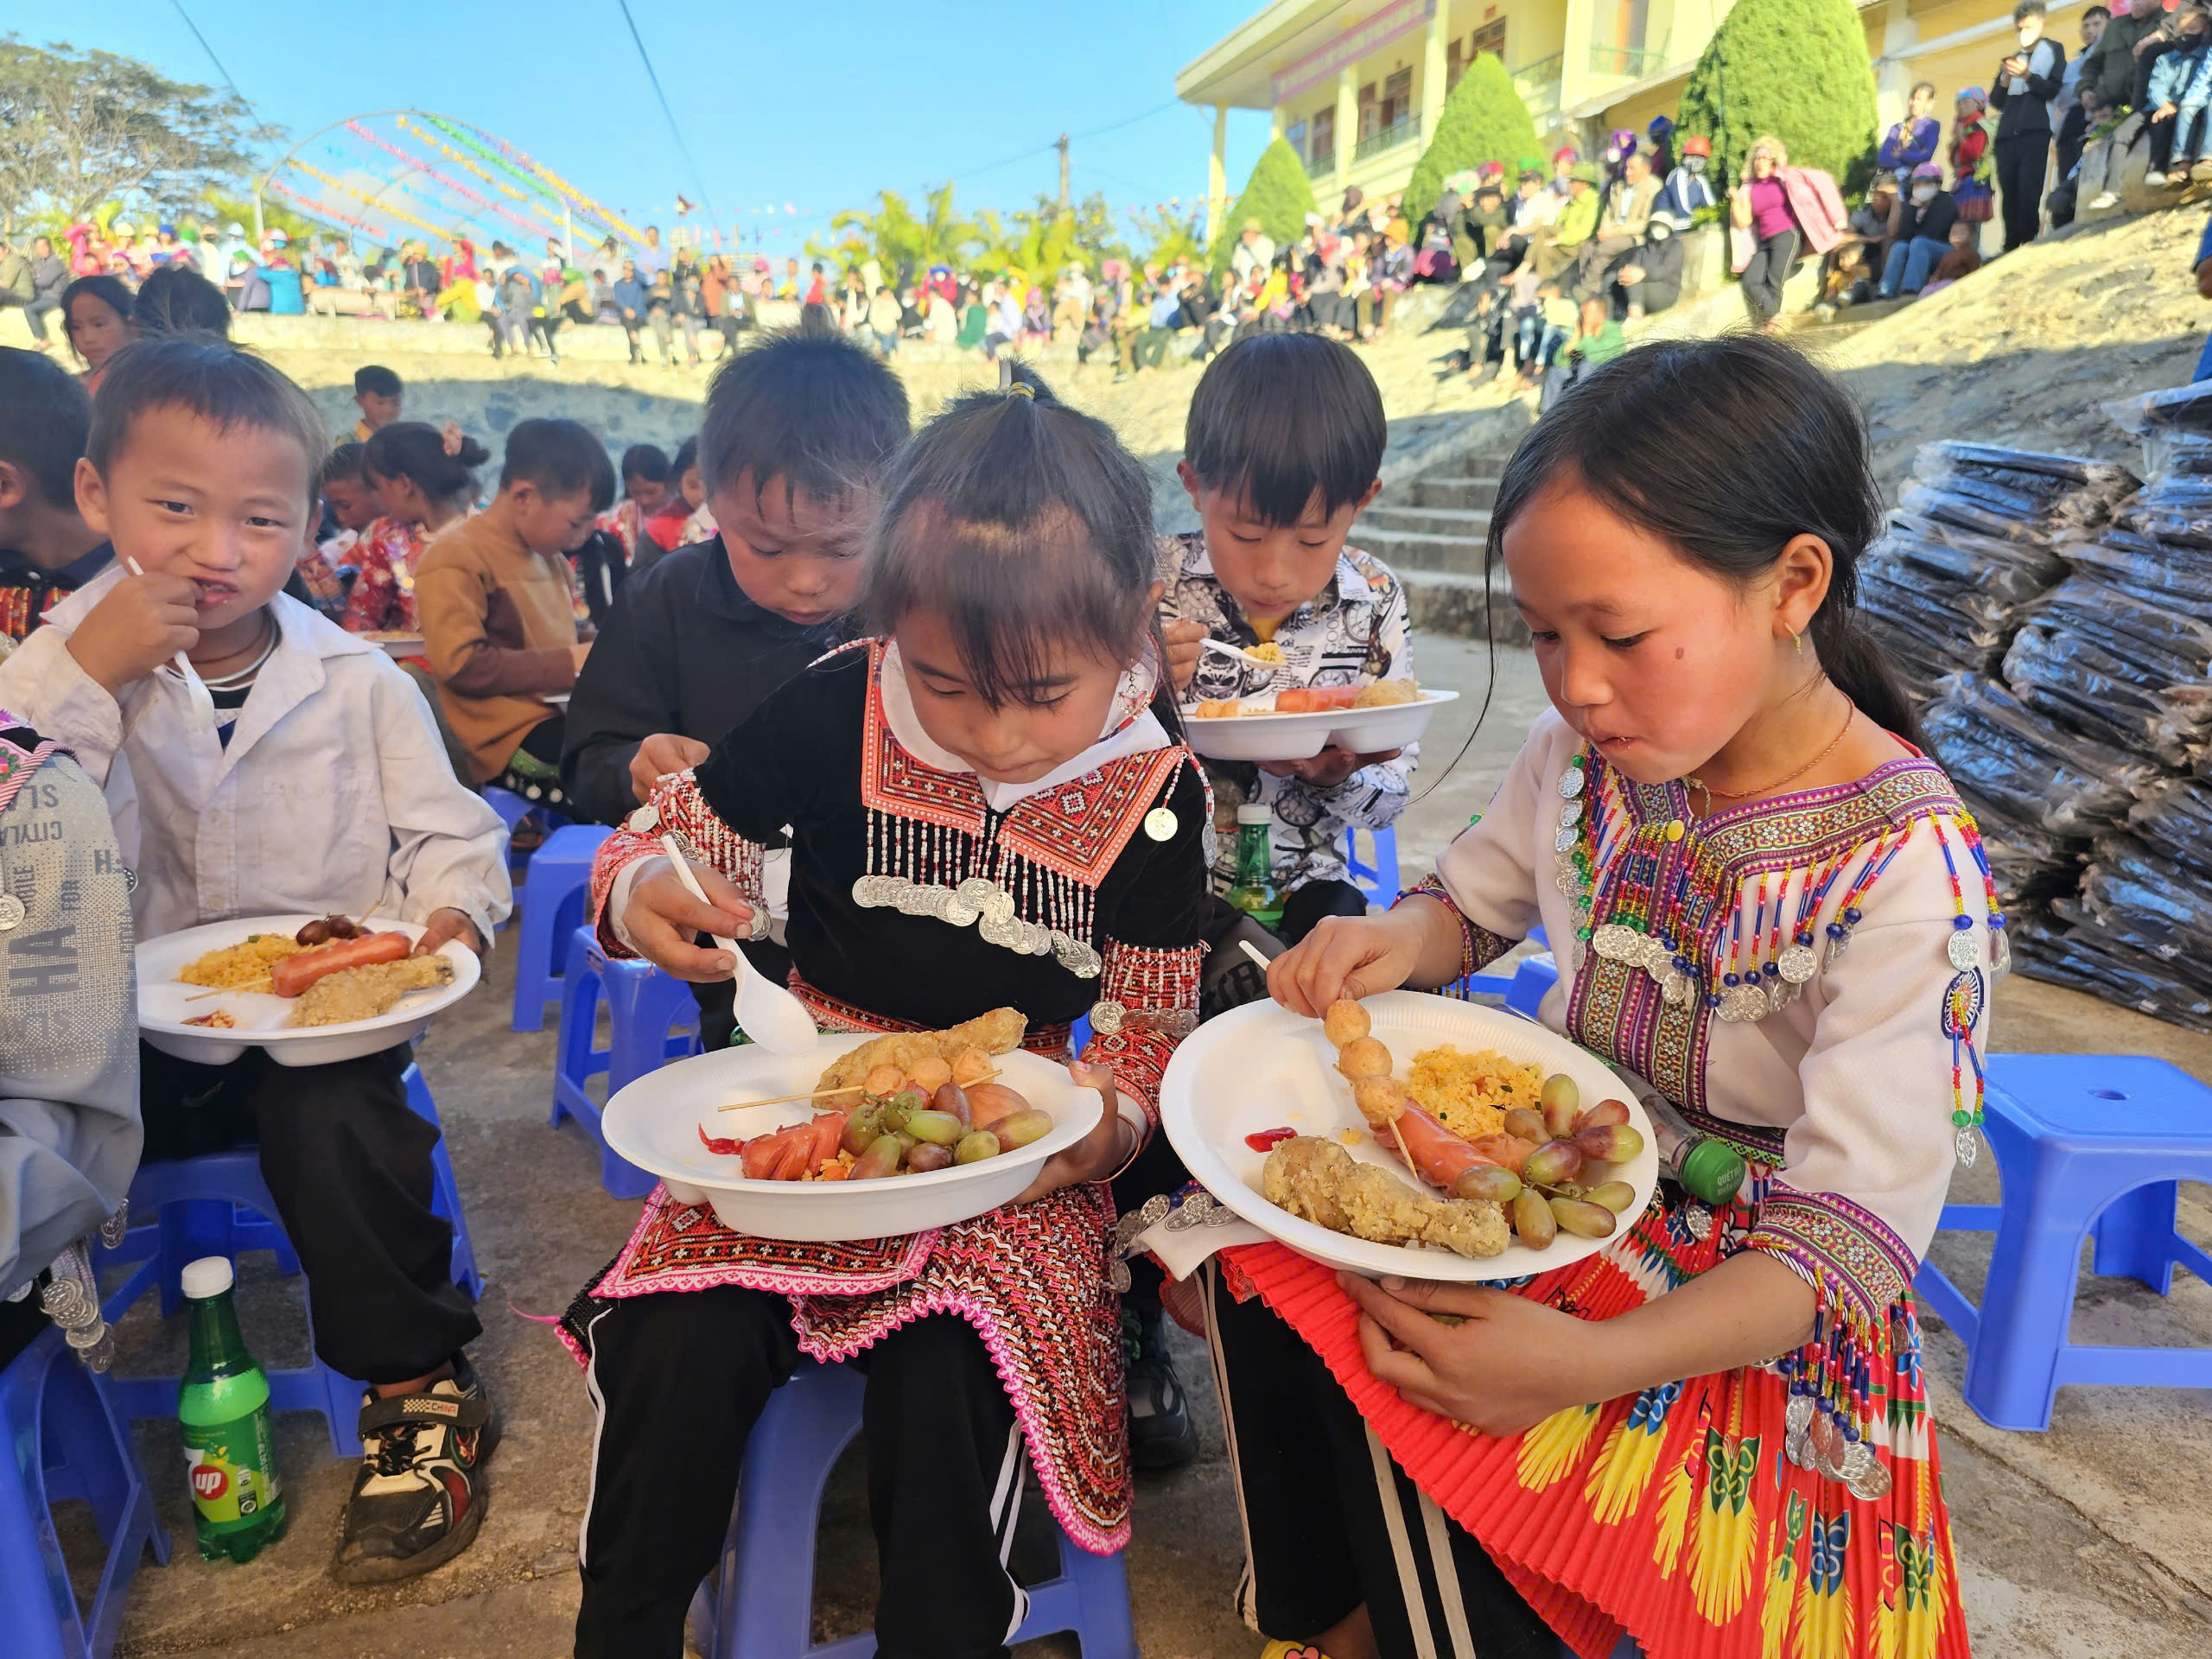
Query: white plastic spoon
{"x":1238,"y":651}
{"x":768,"y":1013}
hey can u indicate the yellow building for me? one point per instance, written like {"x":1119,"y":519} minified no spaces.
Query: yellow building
{"x":1356,"y":86}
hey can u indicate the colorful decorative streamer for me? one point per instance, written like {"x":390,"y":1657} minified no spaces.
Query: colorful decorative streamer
{"x":323,"y":210}
{"x":454,"y":185}
{"x":354,"y":190}
{"x":515,"y":159}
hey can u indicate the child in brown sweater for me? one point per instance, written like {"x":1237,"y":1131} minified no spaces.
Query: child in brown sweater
{"x":493,"y":596}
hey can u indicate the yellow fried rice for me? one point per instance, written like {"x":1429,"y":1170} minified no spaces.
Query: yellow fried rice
{"x":1471,"y":1093}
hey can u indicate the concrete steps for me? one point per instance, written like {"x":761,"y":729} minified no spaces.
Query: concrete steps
{"x":1432,"y":531}
{"x":1456,"y":490}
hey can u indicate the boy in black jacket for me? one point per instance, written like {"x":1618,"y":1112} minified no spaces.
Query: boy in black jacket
{"x":795,"y":430}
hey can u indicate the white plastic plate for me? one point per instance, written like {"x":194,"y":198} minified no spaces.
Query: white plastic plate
{"x":1300,"y":737}
{"x":1261,"y":1067}
{"x":655,"y":1123}
{"x":162,"y":1005}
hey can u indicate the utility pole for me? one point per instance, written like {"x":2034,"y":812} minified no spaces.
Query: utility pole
{"x":1061,"y":145}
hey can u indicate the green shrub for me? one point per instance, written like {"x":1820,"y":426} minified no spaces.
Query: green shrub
{"x":1484,"y":120}
{"x":1797,"y":69}
{"x":1278,"y":194}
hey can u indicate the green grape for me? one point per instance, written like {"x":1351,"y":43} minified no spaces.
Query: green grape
{"x":880,"y":1159}
{"x":1020,"y":1128}
{"x":1552,"y":1162}
{"x":1527,"y":1124}
{"x":861,"y":1129}
{"x":1583,"y":1219}
{"x":952,"y":1098}
{"x":939,"y":1128}
{"x":1605,"y":1112}
{"x":1560,"y":1100}
{"x":976,"y":1146}
{"x":1616,"y":1196}
{"x":1487,"y":1181}
{"x":1533,"y":1220}
{"x":1613,"y":1143}
{"x":927,"y":1157}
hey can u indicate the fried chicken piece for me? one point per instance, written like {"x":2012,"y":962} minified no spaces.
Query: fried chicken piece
{"x":368,"y":992}
{"x":1319,"y":1181}
{"x":999,"y":1032}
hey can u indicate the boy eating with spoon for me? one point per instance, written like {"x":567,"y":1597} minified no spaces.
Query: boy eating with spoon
{"x":301,"y":773}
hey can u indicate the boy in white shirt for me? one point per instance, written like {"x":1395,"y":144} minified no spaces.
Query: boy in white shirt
{"x":316,"y":782}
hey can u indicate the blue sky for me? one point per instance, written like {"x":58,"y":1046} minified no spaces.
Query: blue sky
{"x":814,"y":105}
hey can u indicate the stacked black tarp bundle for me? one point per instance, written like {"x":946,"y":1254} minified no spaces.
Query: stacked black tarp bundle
{"x":1971,"y":546}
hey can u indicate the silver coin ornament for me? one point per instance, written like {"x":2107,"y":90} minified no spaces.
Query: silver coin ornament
{"x":1160,"y":823}
{"x":11,"y":912}
{"x":1962,"y":950}
{"x":1571,"y":783}
{"x":1797,"y":962}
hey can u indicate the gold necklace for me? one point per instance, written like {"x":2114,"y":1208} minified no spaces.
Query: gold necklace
{"x":1850,"y":713}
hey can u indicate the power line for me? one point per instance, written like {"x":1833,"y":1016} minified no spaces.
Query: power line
{"x":228,"y":80}
{"x":674,"y":132}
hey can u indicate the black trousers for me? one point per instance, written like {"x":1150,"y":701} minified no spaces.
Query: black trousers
{"x":2021,"y":163}
{"x":348,"y":1164}
{"x":1762,"y":278}
{"x":1331,"y":1522}
{"x":678,"y":1379}
{"x":2182,"y":137}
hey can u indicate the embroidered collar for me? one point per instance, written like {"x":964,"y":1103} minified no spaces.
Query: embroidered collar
{"x":1131,"y":728}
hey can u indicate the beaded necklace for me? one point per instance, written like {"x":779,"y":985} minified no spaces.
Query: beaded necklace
{"x":1962,"y":1005}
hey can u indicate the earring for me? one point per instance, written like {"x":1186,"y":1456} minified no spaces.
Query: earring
{"x":1797,"y":639}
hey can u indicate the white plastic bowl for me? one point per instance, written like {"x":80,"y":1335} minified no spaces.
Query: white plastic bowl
{"x":1300,"y":737}
{"x":655,"y":1123}
{"x":1261,"y":1067}
{"x":164,"y":1005}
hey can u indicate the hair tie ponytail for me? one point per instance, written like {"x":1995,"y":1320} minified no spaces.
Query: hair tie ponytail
{"x":1022,"y":389}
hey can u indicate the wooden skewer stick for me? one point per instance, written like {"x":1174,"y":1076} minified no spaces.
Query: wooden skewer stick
{"x":824,"y":1094}
{"x":226,"y":990}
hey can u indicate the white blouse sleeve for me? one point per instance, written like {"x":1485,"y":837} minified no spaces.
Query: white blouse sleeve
{"x":1866,"y":1166}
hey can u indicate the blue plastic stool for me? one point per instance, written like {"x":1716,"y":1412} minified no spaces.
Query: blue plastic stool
{"x":759,"y":1601}
{"x":551,"y":897}
{"x":1378,"y":880}
{"x":510,"y":807}
{"x":645,"y":1007}
{"x":60,"y":1438}
{"x":1524,"y":987}
{"x":2087,"y":1144}
{"x":219,"y":1204}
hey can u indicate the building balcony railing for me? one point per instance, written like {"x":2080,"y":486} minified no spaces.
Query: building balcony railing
{"x":1538,"y":84}
{"x":1403,"y":131}
{"x":1321,"y":163}
{"x":1627,"y":63}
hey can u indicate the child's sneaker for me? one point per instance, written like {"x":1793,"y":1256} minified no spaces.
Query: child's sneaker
{"x":1162,"y":1434}
{"x":418,"y":1498}
{"x":2154,"y":180}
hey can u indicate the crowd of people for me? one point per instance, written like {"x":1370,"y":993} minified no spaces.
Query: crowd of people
{"x":832,"y":653}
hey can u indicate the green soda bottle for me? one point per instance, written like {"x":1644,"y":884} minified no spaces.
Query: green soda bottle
{"x":1253,"y":891}
{"x":230,"y":1446}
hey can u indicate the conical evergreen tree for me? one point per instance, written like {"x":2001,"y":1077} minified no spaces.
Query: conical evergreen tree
{"x":1796,"y":69}
{"x":1278,"y":194}
{"x":1484,"y":120}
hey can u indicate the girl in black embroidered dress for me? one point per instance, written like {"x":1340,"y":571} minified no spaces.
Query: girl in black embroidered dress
{"x":984,"y":811}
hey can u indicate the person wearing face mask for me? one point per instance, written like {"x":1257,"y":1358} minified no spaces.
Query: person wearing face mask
{"x":2180,"y":91}
{"x":1920,"y":231}
{"x":1652,"y":279}
{"x":1687,"y":191}
{"x":2026,"y":82}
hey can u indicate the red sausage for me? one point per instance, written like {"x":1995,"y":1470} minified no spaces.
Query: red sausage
{"x":295,"y":973}
{"x":828,"y":1131}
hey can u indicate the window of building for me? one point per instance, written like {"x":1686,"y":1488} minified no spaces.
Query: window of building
{"x":1490,"y":38}
{"x":1370,"y":118}
{"x":1397,"y":97}
{"x":1321,"y":137}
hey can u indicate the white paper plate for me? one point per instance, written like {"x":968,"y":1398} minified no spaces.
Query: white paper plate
{"x":162,"y":1007}
{"x":1300,"y":737}
{"x":655,"y":1123}
{"x":1263,"y":1067}
{"x":399,"y":645}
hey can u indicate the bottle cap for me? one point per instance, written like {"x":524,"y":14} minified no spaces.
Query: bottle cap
{"x":1256,"y":812}
{"x":1712,"y":1170}
{"x":209,"y":1276}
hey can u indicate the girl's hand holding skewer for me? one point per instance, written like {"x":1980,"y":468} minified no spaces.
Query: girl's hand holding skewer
{"x":1417,"y":943}
{"x":663,"y":920}
{"x":1099,"y":1154}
